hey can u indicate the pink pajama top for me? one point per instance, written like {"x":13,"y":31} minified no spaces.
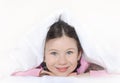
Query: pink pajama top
{"x":83,"y":67}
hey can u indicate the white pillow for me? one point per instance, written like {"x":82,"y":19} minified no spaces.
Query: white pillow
{"x":29,"y":52}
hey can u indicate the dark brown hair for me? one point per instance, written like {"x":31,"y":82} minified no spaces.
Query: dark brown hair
{"x":60,"y":28}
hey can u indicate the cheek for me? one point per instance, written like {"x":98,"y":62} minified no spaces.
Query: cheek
{"x":49,"y":60}
{"x":73,"y":60}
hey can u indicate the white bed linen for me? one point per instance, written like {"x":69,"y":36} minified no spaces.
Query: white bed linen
{"x":102,"y":49}
{"x":49,"y":79}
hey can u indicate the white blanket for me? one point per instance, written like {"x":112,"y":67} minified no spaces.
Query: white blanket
{"x":49,"y":79}
{"x":97,"y":30}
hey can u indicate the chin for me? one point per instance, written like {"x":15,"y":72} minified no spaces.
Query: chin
{"x":62,"y":75}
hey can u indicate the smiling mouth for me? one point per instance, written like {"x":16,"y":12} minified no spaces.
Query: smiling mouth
{"x":62,"y":69}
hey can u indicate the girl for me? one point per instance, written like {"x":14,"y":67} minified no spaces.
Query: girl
{"x":62,"y":54}
{"x":62,"y":50}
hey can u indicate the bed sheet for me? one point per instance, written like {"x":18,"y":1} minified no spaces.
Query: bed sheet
{"x":49,"y":79}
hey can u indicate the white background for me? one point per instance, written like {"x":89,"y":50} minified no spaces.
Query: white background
{"x":19,"y":16}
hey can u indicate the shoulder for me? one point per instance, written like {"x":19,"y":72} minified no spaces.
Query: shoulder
{"x":31,"y":72}
{"x":98,"y":73}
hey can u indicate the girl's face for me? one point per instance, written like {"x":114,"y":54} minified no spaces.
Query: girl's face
{"x":61,"y":55}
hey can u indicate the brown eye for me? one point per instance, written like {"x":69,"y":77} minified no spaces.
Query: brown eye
{"x":69,"y":52}
{"x":53,"y":53}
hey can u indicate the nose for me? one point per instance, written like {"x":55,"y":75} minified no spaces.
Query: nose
{"x":62,"y":60}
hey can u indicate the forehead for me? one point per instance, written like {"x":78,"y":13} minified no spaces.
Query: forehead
{"x":62,"y":42}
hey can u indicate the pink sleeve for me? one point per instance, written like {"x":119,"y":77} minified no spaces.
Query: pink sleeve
{"x":98,"y":73}
{"x":83,"y":67}
{"x":31,"y":72}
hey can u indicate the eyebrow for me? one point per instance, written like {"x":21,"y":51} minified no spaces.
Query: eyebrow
{"x":71,"y":49}
{"x":53,"y":50}
{"x":66,"y":49}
